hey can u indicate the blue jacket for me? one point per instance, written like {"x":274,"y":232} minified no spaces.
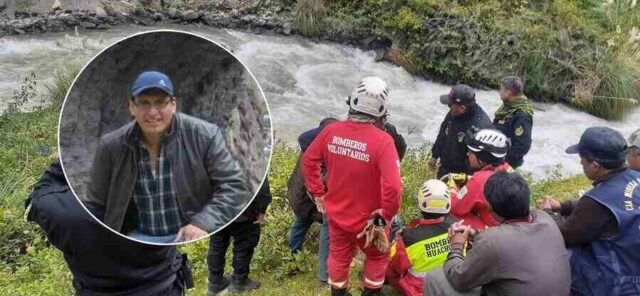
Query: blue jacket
{"x":610,"y":266}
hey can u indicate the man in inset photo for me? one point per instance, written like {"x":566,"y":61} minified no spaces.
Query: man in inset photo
{"x":166,"y":176}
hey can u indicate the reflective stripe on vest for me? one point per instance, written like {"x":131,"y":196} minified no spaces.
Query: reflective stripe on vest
{"x":429,"y":253}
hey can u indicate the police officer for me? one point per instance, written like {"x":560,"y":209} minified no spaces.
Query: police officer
{"x":450,"y":146}
{"x":515,"y":119}
{"x":603,"y":227}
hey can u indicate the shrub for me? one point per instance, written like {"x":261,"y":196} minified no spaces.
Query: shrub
{"x":309,"y":17}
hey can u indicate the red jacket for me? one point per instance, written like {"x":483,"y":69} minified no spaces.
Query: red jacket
{"x":363,"y":173}
{"x":470,"y":204}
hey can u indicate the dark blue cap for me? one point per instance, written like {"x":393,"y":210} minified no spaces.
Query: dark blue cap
{"x":461,"y":94}
{"x":602,"y":144}
{"x":152,"y":79}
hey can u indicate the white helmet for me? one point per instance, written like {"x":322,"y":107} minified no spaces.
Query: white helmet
{"x":434,"y":197}
{"x":489,"y":140}
{"x":370,"y":96}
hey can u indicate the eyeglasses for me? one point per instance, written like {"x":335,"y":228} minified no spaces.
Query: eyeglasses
{"x":157,"y":104}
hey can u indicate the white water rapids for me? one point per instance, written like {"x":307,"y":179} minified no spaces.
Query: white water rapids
{"x":304,"y":82}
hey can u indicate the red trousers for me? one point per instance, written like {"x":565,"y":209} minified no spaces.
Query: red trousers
{"x":408,"y":284}
{"x":342,"y":249}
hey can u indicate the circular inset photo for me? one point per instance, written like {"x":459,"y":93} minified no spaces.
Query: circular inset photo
{"x":165,"y":137}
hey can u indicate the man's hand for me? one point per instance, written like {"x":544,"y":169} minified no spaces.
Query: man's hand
{"x":433,"y":163}
{"x":189,"y":232}
{"x":549,"y":204}
{"x":260,"y":219}
{"x":319,"y":201}
{"x":460,"y":233}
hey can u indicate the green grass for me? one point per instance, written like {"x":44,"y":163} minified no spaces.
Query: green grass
{"x":29,"y":266}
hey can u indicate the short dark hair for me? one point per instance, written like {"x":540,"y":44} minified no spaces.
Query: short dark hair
{"x":508,"y":194}
{"x":326,"y":121}
{"x":635,"y":149}
{"x":609,"y":165}
{"x":513,"y":84}
{"x":488,"y":158}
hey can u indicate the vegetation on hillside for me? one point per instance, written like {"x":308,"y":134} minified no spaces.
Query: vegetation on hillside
{"x":585,"y":53}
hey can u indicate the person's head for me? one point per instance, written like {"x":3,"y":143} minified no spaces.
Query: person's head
{"x":487,"y":147}
{"x":434,"y":199}
{"x":152,"y":103}
{"x":460,"y":99}
{"x":511,"y":87}
{"x":601,"y":150}
{"x":508,"y":195}
{"x":325,"y":121}
{"x":633,"y":154}
{"x":369,"y":97}
{"x":382,"y":121}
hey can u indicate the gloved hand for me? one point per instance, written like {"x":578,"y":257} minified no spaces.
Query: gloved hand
{"x":374,"y":233}
{"x":455,"y":180}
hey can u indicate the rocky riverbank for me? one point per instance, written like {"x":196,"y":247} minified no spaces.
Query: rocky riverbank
{"x":257,"y":17}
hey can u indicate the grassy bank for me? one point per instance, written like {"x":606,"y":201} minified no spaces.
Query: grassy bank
{"x":584,"y":53}
{"x":30,"y":267}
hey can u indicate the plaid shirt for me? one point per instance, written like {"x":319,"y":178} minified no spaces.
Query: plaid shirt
{"x":158,"y":210}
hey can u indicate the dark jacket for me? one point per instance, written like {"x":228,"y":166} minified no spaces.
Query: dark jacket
{"x":100,"y":260}
{"x":518,"y":128}
{"x":300,"y":201}
{"x":208,"y":182}
{"x":451,"y":147}
{"x":258,"y":205}
{"x":398,"y":140}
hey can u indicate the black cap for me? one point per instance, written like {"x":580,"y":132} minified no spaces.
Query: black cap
{"x":460,"y":94}
{"x":602,"y":144}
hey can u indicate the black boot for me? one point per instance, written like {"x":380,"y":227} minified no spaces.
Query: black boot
{"x":339,"y":292}
{"x":372,"y":292}
{"x":217,"y":286}
{"x":243,"y":285}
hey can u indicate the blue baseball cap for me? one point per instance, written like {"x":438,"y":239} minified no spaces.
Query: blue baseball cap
{"x":601,"y":144}
{"x":152,"y":79}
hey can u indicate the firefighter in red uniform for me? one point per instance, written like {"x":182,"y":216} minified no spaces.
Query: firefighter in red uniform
{"x":364,"y":187}
{"x":424,"y":244}
{"x":487,"y":151}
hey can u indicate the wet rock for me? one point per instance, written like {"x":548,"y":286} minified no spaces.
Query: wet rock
{"x":101,"y":13}
{"x":225,"y":20}
{"x":87,"y":25}
{"x":172,"y":12}
{"x":190,"y":15}
{"x":287,"y":30}
{"x":158,"y":17}
{"x":103,"y":27}
{"x":57,"y":5}
{"x":209,"y":19}
{"x":19,"y":31}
